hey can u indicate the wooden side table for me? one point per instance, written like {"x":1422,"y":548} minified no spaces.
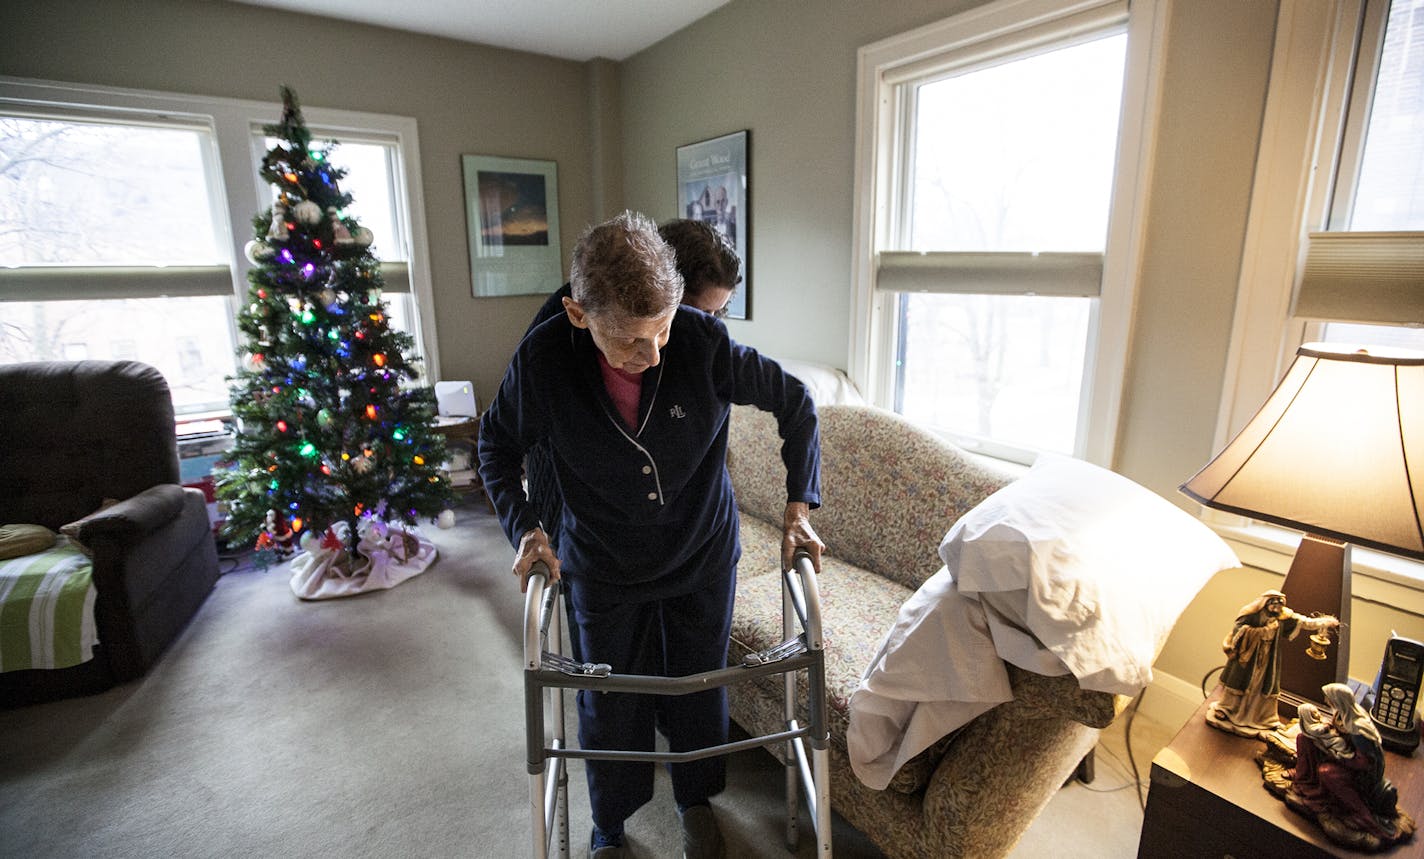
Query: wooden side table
{"x":1207,"y":799}
{"x":465,"y":429}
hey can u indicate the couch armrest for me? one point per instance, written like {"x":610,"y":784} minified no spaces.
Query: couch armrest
{"x":1049,"y":697}
{"x":1035,"y":697}
{"x":133,"y":517}
{"x":1004,"y":767}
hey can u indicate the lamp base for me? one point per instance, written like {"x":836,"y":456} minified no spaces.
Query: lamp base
{"x":1318,"y":583}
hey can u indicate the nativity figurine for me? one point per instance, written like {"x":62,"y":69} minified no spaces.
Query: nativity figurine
{"x":1338,"y":778}
{"x":1251,"y":680}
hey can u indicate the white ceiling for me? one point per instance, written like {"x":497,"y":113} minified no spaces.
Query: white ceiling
{"x":570,"y":29}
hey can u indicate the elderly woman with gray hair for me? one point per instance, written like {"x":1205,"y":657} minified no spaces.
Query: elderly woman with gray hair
{"x":632,"y":394}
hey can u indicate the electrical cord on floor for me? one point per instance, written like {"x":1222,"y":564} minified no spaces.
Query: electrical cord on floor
{"x":1127,"y":741}
{"x":1135,"y":779}
{"x":1131,"y":762}
{"x":1207,"y":676}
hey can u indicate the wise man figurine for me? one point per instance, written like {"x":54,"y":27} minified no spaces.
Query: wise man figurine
{"x":1252,"y":676}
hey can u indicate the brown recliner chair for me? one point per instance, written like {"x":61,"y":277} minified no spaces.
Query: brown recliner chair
{"x":77,"y":433}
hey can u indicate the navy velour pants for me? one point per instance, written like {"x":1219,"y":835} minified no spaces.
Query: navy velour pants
{"x":670,"y":637}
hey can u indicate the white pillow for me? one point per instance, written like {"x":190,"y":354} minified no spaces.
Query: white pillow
{"x":1106,"y":565}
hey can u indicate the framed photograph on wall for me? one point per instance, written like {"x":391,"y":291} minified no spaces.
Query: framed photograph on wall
{"x":712,"y":187}
{"x":512,"y":214}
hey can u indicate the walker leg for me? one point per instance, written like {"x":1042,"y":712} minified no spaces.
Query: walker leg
{"x":561,"y":772}
{"x":821,"y":761}
{"x":536,"y":816}
{"x":793,"y":792}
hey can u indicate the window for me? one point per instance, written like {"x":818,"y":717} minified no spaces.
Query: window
{"x":373,"y":178}
{"x":1339,"y":185}
{"x":996,"y":183}
{"x":123,"y":215}
{"x":109,"y":196}
{"x":1379,"y":186}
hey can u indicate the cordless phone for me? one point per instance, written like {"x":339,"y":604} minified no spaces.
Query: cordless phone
{"x":1397,"y":694}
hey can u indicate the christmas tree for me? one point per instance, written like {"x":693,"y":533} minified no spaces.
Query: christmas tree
{"x":333,"y":434}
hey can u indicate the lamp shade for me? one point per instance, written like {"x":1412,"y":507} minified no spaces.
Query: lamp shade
{"x":1336,"y":450}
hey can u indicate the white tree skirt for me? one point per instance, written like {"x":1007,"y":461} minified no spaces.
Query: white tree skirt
{"x":386,"y":555}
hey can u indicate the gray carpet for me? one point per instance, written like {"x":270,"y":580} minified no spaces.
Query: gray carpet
{"x":383,"y":725}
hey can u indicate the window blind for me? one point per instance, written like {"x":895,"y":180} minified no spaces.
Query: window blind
{"x":54,"y":283}
{"x":1363,"y":277}
{"x":76,"y":283}
{"x":982,"y":273}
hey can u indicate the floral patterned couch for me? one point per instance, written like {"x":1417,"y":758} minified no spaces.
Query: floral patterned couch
{"x":890,"y":492}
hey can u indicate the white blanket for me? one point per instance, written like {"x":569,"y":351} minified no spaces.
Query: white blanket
{"x":936,"y":671}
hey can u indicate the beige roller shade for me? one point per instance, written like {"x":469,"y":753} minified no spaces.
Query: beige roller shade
{"x":58,"y":283}
{"x":1363,"y":277}
{"x":1057,"y":274}
{"x":78,"y":283}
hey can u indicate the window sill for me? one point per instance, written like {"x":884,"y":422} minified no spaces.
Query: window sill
{"x":1376,"y":576}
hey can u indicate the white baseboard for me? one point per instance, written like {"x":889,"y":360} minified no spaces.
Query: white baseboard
{"x":1170,"y":700}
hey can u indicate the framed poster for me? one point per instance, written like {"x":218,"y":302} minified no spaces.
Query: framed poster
{"x":512,"y":214}
{"x":712,"y":187}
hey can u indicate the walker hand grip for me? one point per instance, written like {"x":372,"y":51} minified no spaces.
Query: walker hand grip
{"x":805,"y":593}
{"x":538,"y":604}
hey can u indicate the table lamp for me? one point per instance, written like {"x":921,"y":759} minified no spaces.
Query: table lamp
{"x":1336,"y":451}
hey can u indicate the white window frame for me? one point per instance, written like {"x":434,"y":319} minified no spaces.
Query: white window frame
{"x":236,"y":188}
{"x":992,"y":27}
{"x":1312,"y":71}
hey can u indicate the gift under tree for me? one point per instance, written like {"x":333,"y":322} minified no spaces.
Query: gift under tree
{"x":336,"y":451}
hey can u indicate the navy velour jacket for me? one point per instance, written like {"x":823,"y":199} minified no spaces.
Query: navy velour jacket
{"x":650,"y":506}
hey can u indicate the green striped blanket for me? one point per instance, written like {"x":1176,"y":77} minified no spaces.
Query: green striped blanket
{"x":47,"y":609}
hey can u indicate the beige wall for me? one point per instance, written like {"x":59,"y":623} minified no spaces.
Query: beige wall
{"x":465,"y":99}
{"x":784,"y":70}
{"x":787,"y":72}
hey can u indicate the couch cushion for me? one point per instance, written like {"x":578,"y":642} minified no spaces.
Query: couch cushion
{"x":856,"y":610}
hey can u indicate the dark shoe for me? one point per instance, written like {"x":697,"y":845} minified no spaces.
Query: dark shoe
{"x":701,"y":839}
{"x":609,"y":851}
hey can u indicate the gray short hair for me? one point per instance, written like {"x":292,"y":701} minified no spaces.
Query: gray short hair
{"x":623,"y":268}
